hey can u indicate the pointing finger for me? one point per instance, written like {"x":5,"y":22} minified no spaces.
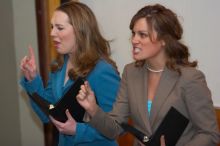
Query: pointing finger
{"x":31,"y":55}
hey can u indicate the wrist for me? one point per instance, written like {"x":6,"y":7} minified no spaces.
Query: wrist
{"x":93,"y":110}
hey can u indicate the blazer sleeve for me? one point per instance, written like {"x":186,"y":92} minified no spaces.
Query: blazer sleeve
{"x":200,"y":108}
{"x":107,"y":123}
{"x":104,"y":81}
{"x":36,"y":85}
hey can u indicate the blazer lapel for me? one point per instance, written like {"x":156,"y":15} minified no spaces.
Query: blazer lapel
{"x":141,"y":90}
{"x":166,"y":84}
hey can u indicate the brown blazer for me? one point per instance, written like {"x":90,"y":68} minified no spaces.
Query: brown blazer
{"x":187,"y":92}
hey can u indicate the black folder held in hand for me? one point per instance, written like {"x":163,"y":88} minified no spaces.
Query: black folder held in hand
{"x":68,"y":101}
{"x":172,"y":127}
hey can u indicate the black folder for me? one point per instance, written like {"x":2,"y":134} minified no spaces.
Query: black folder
{"x":172,"y":127}
{"x":68,"y":101}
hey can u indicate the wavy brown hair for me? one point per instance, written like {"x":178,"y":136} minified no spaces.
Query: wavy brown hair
{"x":91,"y":45}
{"x":168,"y":28}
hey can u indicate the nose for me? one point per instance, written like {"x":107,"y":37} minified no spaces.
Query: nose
{"x":52,"y":32}
{"x":134,"y":39}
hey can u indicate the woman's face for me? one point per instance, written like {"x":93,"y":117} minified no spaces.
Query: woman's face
{"x":143,"y":47}
{"x":62,"y":33}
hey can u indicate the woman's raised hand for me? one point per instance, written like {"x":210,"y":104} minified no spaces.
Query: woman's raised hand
{"x":28,"y":65}
{"x":86,"y":99}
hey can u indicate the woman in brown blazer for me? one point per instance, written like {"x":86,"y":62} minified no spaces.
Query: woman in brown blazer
{"x":160,"y":78}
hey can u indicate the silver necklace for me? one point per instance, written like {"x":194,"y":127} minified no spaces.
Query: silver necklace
{"x":153,"y":70}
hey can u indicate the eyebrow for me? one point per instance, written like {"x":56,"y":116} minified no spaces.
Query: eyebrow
{"x":140,"y":31}
{"x":59,"y":25}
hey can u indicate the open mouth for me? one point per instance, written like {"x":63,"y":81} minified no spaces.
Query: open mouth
{"x":137,"y":50}
{"x":56,"y":44}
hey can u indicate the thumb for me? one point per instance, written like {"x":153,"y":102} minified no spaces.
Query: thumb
{"x":162,"y":141}
{"x":69,"y":116}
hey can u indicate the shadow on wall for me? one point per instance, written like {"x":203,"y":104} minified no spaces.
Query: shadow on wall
{"x":31,"y":115}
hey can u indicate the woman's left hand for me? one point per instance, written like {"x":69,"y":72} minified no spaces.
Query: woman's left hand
{"x":69,"y":127}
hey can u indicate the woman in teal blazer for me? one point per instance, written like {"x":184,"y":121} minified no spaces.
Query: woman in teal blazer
{"x":82,"y":52}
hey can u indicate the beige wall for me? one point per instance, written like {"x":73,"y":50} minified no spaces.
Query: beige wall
{"x":19,"y":126}
{"x":200,"y":20}
{"x":9,"y":108}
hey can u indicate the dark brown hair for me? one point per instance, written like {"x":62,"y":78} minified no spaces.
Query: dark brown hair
{"x":91,"y":45}
{"x":168,"y":28}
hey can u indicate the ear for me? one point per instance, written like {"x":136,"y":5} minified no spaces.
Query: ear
{"x":162,"y":43}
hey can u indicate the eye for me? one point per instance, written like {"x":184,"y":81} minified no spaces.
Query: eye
{"x":60,"y":28}
{"x":143,"y":35}
{"x":132,"y":33}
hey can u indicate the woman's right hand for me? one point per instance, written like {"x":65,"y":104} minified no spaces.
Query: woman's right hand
{"x":28,"y":65}
{"x":86,"y":99}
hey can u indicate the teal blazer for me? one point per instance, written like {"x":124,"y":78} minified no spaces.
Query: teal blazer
{"x":104,"y":81}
